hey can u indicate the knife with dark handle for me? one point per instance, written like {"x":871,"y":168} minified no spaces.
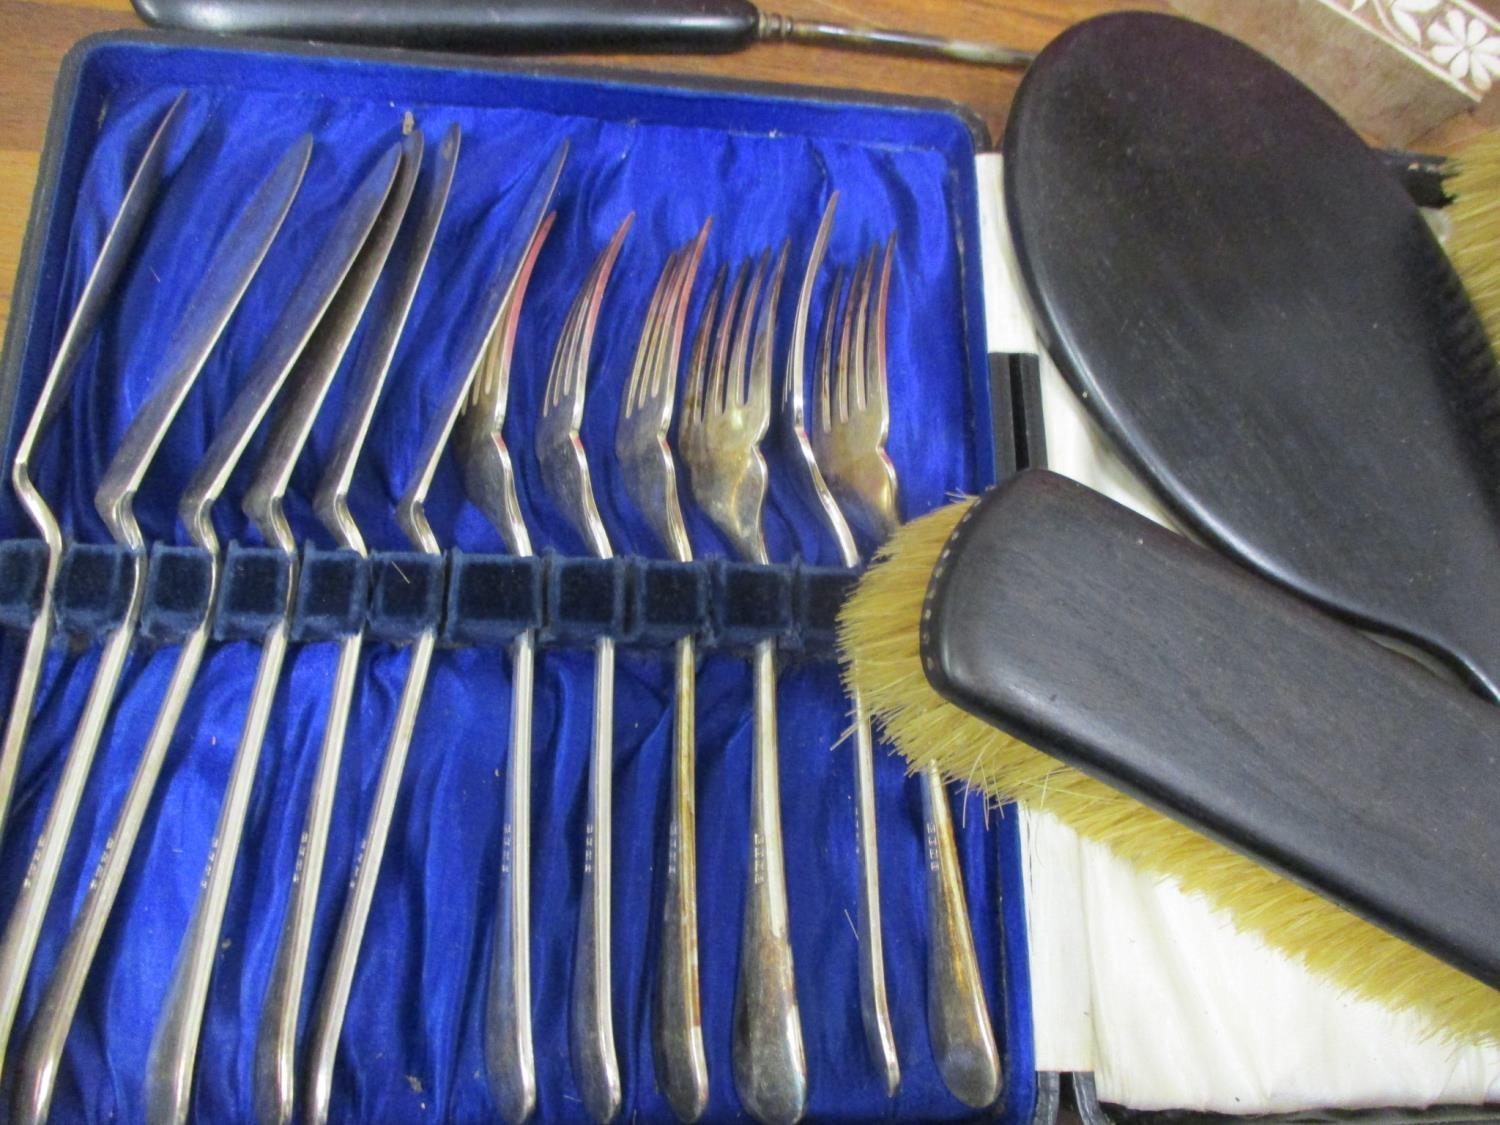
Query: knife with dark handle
{"x":686,"y":26}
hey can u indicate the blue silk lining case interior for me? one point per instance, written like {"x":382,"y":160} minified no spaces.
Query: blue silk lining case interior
{"x":763,"y":165}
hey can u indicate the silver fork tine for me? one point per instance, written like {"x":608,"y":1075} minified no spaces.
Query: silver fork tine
{"x":639,"y":384}
{"x":717,"y":386}
{"x":552,"y":392}
{"x":857,"y":371}
{"x":737,"y":388}
{"x":794,"y":387}
{"x":843,"y":400}
{"x":665,"y":382}
{"x":492,"y":381}
{"x":578,"y":330}
{"x":557,"y":375}
{"x":571,"y":344}
{"x":655,"y":331}
{"x":825,"y":355}
{"x":694,"y":395}
{"x":876,"y":392}
{"x":661,"y":374}
{"x":602,"y":270}
{"x":758,"y":392}
{"x":644,"y":372}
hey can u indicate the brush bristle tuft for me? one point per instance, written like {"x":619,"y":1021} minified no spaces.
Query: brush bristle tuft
{"x":879,"y":638}
{"x":1475,"y":211}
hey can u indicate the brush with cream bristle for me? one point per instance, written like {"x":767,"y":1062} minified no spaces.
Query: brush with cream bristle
{"x":879,"y":632}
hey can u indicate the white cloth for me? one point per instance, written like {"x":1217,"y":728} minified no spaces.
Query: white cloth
{"x":1151,"y":989}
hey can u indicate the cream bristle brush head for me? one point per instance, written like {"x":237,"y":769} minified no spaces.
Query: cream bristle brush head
{"x":1474,"y":243}
{"x":879,"y":639}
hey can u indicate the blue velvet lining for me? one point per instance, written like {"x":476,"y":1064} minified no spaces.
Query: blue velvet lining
{"x":412,"y":1049}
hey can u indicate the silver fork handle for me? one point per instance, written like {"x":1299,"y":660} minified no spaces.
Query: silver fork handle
{"x":874,"y":1004}
{"x":23,"y":699}
{"x":174,"y":1045}
{"x":30,"y":910}
{"x":333,"y":1000}
{"x":770,"y":1069}
{"x":509,"y":1055}
{"x":596,"y":1067}
{"x":957,"y":1014}
{"x":677,"y":1023}
{"x":48,"y":1034}
{"x":276,"y":1041}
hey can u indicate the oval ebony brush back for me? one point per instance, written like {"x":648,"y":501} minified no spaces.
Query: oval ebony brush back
{"x":1252,"y":307}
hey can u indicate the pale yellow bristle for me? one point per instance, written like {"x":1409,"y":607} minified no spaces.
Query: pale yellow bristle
{"x":1474,"y":244}
{"x":879,"y":638}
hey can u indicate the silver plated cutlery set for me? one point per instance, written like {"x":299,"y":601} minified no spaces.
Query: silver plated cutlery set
{"x":831,"y":426}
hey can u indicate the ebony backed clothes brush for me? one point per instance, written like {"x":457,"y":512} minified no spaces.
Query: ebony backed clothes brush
{"x":1257,"y":315}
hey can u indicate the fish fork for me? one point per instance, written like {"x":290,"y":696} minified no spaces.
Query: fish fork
{"x":651,"y":479}
{"x":852,"y":420}
{"x":114,"y":253}
{"x":225,"y":280}
{"x":290,"y":347}
{"x":874,"y":1004}
{"x":726,"y":411}
{"x":489,"y":479}
{"x":565,"y":475}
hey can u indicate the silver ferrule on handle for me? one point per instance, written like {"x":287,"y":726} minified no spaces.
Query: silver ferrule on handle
{"x":958,"y":1016}
{"x":30,"y":909}
{"x":276,"y":1042}
{"x":677,"y":1015}
{"x":509,"y":1055}
{"x":333,"y":999}
{"x":770,"y":1068}
{"x":174,"y":1046}
{"x":874,"y":1004}
{"x":891,"y":42}
{"x":596,"y":1067}
{"x":48,"y":1034}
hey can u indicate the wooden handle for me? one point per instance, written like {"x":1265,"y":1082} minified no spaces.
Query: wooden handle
{"x":475,"y":25}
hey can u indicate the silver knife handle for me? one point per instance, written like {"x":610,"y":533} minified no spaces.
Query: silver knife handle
{"x":508,"y":1052}
{"x":338,"y":979}
{"x":874,"y":1005}
{"x":595,"y":1065}
{"x":276,"y":1042}
{"x":958,"y":1016}
{"x":770,"y":1069}
{"x":677,"y":1019}
{"x":174,"y":1046}
{"x":30,"y":910}
{"x":23,"y":699}
{"x":48,"y":1034}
